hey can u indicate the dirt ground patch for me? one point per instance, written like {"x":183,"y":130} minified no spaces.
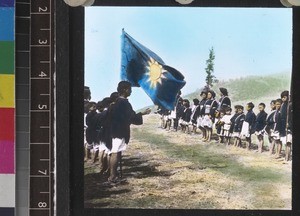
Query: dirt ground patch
{"x":166,"y":169}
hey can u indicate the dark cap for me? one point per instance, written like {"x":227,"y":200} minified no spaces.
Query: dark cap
{"x":251,"y":105}
{"x":196,"y":101}
{"x":284,"y":94}
{"x":224,"y":91}
{"x":212,"y":93}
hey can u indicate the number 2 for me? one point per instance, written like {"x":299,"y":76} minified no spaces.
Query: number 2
{"x":43,"y":9}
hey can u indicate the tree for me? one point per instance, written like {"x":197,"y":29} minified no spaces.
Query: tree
{"x":210,"y":78}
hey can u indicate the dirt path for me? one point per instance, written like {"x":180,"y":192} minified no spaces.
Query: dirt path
{"x":175,"y":170}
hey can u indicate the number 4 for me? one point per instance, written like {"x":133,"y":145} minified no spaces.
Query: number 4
{"x":42,"y":74}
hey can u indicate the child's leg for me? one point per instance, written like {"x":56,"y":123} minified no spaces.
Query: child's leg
{"x":203,"y":133}
{"x":188,"y":128}
{"x":288,"y":148}
{"x":209,"y":134}
{"x":279,"y":147}
{"x":248,"y":142}
{"x":235,"y":141}
{"x":272,"y":147}
{"x":260,"y":143}
{"x":96,"y":154}
{"x":239,"y":142}
{"x":168,"y":124}
{"x":101,"y":161}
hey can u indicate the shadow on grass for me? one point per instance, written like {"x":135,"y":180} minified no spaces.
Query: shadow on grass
{"x":141,"y":168}
{"x":98,"y":194}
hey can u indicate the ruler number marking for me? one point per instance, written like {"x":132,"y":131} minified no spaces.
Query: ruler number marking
{"x":45,"y":9}
{"x":42,"y":205}
{"x":43,"y":42}
{"x":44,"y":173}
{"x":42,"y":74}
{"x":42,"y":107}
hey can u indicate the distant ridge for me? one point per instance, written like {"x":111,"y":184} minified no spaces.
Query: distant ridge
{"x":249,"y":88}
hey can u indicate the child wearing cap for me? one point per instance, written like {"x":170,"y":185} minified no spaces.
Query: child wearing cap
{"x":226,"y":119}
{"x":209,"y":110}
{"x":260,"y":123}
{"x":238,"y":123}
{"x":248,"y":125}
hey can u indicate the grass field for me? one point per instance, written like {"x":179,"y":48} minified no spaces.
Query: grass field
{"x":165,"y":169}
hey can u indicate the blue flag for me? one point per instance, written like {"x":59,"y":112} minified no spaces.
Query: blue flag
{"x":143,"y":68}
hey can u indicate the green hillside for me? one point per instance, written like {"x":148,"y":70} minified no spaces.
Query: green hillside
{"x":252,"y":87}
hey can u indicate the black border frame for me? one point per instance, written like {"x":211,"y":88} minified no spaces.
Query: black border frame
{"x":69,"y":46}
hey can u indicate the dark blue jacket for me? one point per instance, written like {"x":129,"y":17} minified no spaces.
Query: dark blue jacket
{"x":90,"y":121}
{"x":238,"y":123}
{"x":232,"y":120}
{"x":250,"y":118}
{"x":224,"y":102}
{"x":187,"y":112}
{"x":274,"y":121}
{"x":260,"y":121}
{"x":122,"y":116}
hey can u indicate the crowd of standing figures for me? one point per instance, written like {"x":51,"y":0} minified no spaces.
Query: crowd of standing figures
{"x":107,"y":125}
{"x":234,"y":125}
{"x":107,"y":130}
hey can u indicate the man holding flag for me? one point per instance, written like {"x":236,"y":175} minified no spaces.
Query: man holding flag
{"x":140,"y":68}
{"x":121,"y":116}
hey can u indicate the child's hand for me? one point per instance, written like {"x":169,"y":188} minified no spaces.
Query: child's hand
{"x":146,"y":112}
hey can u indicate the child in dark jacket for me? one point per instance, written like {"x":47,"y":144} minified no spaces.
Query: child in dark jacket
{"x":260,"y":123}
{"x":275,"y":128}
{"x":237,"y":126}
{"x":91,"y":129}
{"x":186,"y":116}
{"x":248,"y":124}
{"x":121,"y":116}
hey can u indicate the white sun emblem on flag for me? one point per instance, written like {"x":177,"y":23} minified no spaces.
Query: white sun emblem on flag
{"x":155,"y":73}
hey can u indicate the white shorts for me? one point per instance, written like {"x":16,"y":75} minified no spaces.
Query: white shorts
{"x":236,"y":134}
{"x":96,"y":146}
{"x":207,"y":122}
{"x":245,"y":130}
{"x":199,"y":122}
{"x":275,"y":135}
{"x":285,"y":139}
{"x":102,"y":147}
{"x":89,"y":146}
{"x":226,"y":133}
{"x":259,"y":133}
{"x":118,"y":145}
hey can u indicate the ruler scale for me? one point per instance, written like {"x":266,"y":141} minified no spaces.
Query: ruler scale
{"x":41,"y":111}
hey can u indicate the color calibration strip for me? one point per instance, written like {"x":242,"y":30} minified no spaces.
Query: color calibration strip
{"x":7,"y":107}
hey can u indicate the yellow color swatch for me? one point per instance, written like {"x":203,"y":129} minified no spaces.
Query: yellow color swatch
{"x":7,"y":91}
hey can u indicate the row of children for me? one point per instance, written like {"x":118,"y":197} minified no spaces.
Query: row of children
{"x":209,"y":113}
{"x":107,"y":130}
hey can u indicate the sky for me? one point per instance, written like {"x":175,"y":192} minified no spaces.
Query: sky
{"x":246,"y":41}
